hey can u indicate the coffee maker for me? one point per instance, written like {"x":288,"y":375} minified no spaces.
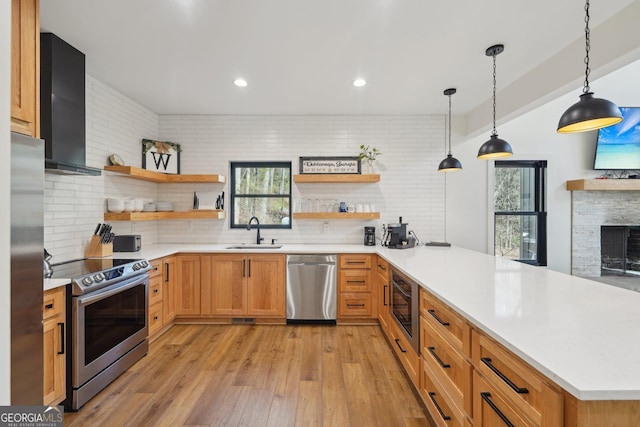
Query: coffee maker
{"x":397,"y":234}
{"x":370,"y":236}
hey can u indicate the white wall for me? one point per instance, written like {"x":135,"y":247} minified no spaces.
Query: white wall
{"x":5,"y":194}
{"x":410,"y":185}
{"x":533,"y":136}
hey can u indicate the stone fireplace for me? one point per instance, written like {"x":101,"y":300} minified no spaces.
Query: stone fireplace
{"x":594,"y":207}
{"x":620,"y":250}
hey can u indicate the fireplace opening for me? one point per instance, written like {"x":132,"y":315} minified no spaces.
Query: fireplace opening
{"x":620,"y":249}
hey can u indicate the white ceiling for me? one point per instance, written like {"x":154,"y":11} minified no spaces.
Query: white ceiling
{"x":300,"y":56}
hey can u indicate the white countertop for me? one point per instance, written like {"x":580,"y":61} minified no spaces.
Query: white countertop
{"x":583,"y":335}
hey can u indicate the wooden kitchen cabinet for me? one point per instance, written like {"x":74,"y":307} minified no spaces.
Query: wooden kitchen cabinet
{"x":188,"y":291}
{"x":25,"y":67}
{"x":238,"y":285}
{"x":514,"y":388}
{"x":356,"y":290}
{"x":382,"y":282}
{"x":55,"y":360}
{"x":162,"y":289}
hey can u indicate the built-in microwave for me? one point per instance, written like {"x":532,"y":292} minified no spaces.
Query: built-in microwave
{"x":405,"y":308}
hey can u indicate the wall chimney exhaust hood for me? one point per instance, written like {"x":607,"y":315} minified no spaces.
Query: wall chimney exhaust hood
{"x":62,"y":107}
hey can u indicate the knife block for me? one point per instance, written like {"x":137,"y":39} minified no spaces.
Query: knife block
{"x":97,"y":249}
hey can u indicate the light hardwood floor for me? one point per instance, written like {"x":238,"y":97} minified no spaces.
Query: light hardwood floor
{"x":245,"y":375}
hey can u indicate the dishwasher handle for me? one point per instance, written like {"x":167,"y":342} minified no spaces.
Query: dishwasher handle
{"x":297,"y":264}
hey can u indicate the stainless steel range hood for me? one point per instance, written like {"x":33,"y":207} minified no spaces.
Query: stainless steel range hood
{"x":62,"y":107}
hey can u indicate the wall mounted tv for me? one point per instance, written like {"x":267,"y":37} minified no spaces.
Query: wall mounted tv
{"x":618,"y":146}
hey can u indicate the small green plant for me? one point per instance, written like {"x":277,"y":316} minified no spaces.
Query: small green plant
{"x":368,"y":153}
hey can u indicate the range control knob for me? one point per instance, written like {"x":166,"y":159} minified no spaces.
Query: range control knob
{"x":87,"y":281}
{"x":144,"y":263}
{"x":98,"y":278}
{"x":136,"y":266}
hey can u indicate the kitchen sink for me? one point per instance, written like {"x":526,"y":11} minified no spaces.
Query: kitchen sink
{"x":254,"y":247}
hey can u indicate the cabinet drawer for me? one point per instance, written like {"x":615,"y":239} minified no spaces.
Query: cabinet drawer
{"x":490,"y":408}
{"x":155,"y":318}
{"x":517,"y":382}
{"x":355,"y":281}
{"x":446,"y":321}
{"x":450,"y":367}
{"x":155,"y":290}
{"x":354,"y":305}
{"x":407,"y":355}
{"x":156,"y":268}
{"x":443,"y":411}
{"x":53,"y":303}
{"x":382,"y":267}
{"x":355,"y":261}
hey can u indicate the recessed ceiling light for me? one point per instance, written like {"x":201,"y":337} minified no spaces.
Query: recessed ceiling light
{"x":359,"y":82}
{"x":240,"y":82}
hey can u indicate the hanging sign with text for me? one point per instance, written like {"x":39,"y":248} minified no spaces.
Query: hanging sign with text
{"x":161,"y":156}
{"x":329,"y":165}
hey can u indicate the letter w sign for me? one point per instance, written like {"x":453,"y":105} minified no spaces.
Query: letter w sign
{"x":164,"y":161}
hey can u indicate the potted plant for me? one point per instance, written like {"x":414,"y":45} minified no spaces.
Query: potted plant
{"x":369,"y":155}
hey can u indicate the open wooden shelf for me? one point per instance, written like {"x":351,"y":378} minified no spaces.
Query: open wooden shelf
{"x":146,"y":175}
{"x":604,"y":185}
{"x":336,"y":178}
{"x":154,"y":216}
{"x":336,"y":215}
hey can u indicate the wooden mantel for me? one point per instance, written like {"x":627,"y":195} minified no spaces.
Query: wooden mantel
{"x":604,"y":185}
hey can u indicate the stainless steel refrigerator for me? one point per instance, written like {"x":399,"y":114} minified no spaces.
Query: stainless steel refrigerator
{"x":27,"y":250}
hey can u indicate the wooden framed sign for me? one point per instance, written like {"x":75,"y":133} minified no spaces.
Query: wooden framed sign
{"x":329,"y":165}
{"x":161,"y":156}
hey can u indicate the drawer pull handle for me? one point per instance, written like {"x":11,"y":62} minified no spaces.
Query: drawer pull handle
{"x":435,"y":316}
{"x":432,"y":396}
{"x":49,"y":306}
{"x":503,"y":377}
{"x":355,"y":305}
{"x":487,"y":398}
{"x":384,"y":295}
{"x":155,"y":317}
{"x":397,"y":340}
{"x":155,"y":291}
{"x":61,"y":324}
{"x":432,"y":350}
{"x":166,"y":272}
{"x":355,"y":262}
{"x":356,"y":281}
{"x":382,"y":267}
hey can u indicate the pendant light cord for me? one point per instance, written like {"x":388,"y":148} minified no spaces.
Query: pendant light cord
{"x":494,"y":132}
{"x":449,"y":124}
{"x":587,"y":48}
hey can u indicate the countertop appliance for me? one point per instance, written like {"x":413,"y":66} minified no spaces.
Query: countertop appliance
{"x":127,"y":243}
{"x":311,"y":288}
{"x":62,"y":107}
{"x":107,"y":322}
{"x":370,"y":236}
{"x":405,"y":307}
{"x":27,"y":248}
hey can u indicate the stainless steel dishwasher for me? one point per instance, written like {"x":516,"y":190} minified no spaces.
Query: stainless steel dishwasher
{"x":311,"y":288}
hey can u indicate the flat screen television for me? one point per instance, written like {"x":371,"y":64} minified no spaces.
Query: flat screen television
{"x":618,"y":146}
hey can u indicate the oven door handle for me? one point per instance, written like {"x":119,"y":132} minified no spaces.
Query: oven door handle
{"x":110,"y":291}
{"x":399,"y":289}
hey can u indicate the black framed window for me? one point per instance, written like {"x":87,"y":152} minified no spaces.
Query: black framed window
{"x":520,"y":223}
{"x":263,"y":190}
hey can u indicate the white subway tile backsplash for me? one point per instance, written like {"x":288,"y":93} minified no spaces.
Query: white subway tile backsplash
{"x":410,"y":185}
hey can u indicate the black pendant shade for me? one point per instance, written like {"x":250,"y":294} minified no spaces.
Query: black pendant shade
{"x":450,"y":164}
{"x":589,"y":113}
{"x":494,"y":148}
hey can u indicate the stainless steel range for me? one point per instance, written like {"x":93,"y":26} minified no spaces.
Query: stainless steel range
{"x":107,"y":318}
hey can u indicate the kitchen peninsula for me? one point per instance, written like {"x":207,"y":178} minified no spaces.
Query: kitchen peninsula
{"x":573,"y":331}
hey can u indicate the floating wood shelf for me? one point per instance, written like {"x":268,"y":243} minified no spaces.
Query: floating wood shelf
{"x":336,"y":215}
{"x":155,"y":216}
{"x":604,"y":185}
{"x":146,"y":175}
{"x":336,"y":178}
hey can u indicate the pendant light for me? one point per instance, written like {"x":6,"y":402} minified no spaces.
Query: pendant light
{"x":450,"y":163}
{"x":495,"y":147}
{"x":588,"y":113}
